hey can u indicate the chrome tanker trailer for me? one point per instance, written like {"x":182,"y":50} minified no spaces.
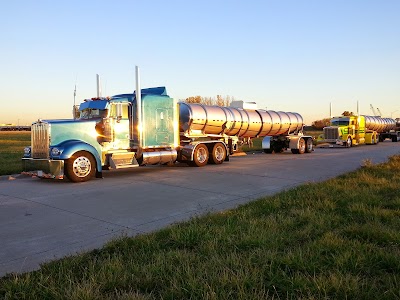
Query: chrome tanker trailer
{"x":148,"y":127}
{"x":387,"y":128}
{"x":281,"y":130}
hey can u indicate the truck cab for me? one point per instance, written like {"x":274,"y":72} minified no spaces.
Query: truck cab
{"x":348,"y":131}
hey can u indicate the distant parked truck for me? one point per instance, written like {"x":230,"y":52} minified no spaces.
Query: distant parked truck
{"x":392,"y":134}
{"x":356,"y":130}
{"x":148,"y":127}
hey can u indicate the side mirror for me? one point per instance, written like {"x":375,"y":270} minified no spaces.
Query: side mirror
{"x":118,"y":108}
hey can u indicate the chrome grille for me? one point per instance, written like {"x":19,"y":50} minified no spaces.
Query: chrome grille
{"x":331,"y":133}
{"x":40,"y":140}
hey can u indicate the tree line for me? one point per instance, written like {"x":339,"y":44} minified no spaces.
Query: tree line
{"x":320,"y":124}
{"x":219,"y":100}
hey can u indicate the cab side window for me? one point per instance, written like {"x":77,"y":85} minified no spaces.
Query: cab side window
{"x":113,"y":111}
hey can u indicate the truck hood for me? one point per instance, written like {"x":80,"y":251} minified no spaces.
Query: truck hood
{"x":69,"y":129}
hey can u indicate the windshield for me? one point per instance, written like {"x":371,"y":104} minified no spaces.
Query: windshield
{"x":340,"y":122}
{"x":91,"y":113}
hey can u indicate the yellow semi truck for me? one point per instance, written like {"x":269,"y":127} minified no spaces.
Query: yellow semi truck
{"x":355,"y":130}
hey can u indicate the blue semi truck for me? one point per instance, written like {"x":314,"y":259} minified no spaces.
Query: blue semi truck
{"x":148,"y":127}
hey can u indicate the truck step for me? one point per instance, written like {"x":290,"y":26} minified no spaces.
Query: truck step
{"x":123,"y":160}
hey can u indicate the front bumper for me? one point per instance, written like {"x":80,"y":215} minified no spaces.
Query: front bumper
{"x":44,"y":168}
{"x":333,"y":141}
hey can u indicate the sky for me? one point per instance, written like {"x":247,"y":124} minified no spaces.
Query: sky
{"x":285,"y":55}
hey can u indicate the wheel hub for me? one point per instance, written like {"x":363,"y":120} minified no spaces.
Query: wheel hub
{"x":82,"y":166}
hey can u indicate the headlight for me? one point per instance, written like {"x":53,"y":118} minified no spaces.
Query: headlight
{"x":27,"y":151}
{"x":55,"y":151}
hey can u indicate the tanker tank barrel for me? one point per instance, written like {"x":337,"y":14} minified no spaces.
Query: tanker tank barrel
{"x":232,"y":121}
{"x":379,"y":124}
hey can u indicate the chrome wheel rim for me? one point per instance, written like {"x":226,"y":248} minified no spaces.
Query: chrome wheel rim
{"x":302,"y":145}
{"x":219,"y":153}
{"x":82,"y":166}
{"x":201,"y":155}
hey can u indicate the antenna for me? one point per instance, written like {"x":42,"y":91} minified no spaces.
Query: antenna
{"x":73,"y":109}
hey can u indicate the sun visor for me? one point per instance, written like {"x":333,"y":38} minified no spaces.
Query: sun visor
{"x":96,"y":104}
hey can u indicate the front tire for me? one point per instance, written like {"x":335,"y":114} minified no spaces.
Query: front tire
{"x":218,"y":154}
{"x":349,"y":142}
{"x":80,"y":167}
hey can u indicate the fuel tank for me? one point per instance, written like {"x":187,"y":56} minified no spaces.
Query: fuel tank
{"x":208,"y":119}
{"x":379,"y":124}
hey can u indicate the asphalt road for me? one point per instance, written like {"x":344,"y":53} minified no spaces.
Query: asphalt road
{"x":41,"y":220}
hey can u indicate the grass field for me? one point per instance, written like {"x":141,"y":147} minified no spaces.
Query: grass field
{"x":12,"y":145}
{"x":338,"y":239}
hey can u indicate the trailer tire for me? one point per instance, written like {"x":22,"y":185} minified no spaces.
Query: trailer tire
{"x":200,"y":156}
{"x":394,"y":138}
{"x":218,"y":154}
{"x":80,"y":167}
{"x":309,"y":145}
{"x":302,"y":147}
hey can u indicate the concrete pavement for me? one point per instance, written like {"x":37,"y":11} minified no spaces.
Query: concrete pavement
{"x":41,"y":220}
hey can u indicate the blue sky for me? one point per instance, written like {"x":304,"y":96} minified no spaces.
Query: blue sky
{"x":285,"y":55}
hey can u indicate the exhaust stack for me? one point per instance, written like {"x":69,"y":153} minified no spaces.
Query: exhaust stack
{"x":138,"y":108}
{"x":98,"y":86}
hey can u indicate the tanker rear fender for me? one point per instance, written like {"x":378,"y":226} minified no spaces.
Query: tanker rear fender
{"x":294,"y":142}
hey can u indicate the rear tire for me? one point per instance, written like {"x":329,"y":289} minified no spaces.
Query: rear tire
{"x":309,"y":145}
{"x":200,"y":156}
{"x":80,"y":167}
{"x":218,"y":154}
{"x":302,"y":146}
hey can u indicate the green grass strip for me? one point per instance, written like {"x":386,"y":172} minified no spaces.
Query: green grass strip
{"x":12,"y":144}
